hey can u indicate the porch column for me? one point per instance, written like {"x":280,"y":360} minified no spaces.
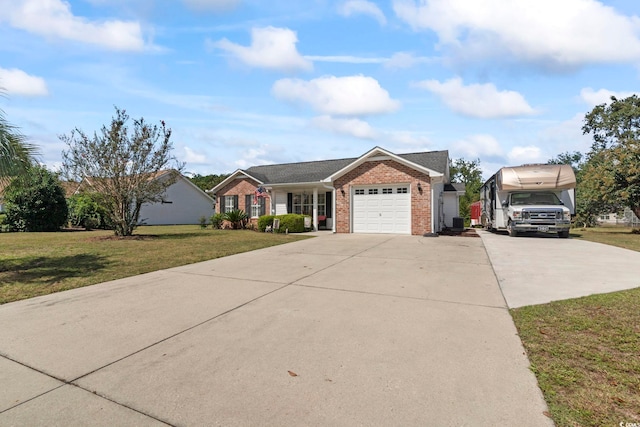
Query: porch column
{"x":315,"y":209}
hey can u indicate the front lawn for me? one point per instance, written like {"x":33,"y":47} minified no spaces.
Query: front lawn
{"x":584,"y":352}
{"x":33,"y":264}
{"x":623,"y":237}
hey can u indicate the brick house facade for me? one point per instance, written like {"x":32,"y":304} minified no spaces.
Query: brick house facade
{"x":379,"y":192}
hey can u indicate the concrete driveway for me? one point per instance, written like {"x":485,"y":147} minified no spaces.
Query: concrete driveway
{"x":538,"y":269}
{"x":337,"y":330}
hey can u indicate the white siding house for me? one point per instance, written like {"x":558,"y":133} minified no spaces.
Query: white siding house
{"x":183,"y":203}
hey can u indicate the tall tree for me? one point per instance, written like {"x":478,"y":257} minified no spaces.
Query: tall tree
{"x":588,"y":207}
{"x":16,"y":154}
{"x":467,"y":172}
{"x":613,"y":164}
{"x":123,"y":163}
{"x":575,"y":159}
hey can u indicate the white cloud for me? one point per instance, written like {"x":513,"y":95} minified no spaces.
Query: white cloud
{"x":191,"y":156}
{"x":345,"y":59}
{"x":407,"y":139}
{"x":17,"y":82}
{"x":601,"y":96}
{"x":478,"y":100}
{"x":478,"y":146}
{"x":363,"y":7}
{"x":565,"y":136}
{"x":54,"y":19}
{"x":522,"y":155}
{"x":345,"y":96}
{"x":254,"y":157}
{"x":550,"y":33}
{"x":352,"y":127}
{"x":272,"y":48}
{"x":212,"y":5}
{"x":402,"y":60}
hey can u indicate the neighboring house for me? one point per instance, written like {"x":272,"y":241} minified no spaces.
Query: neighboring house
{"x":378,"y":192}
{"x":626,"y":218}
{"x":183,"y":202}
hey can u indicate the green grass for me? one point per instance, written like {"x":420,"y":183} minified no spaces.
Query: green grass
{"x":623,"y":237}
{"x":585,"y":352}
{"x":33,"y":264}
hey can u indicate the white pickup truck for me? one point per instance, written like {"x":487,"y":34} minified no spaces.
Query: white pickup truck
{"x":529,"y":198}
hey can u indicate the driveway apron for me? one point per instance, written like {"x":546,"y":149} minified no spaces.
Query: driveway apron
{"x":336,"y":330}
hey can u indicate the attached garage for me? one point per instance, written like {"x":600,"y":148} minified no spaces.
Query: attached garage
{"x":382,"y":209}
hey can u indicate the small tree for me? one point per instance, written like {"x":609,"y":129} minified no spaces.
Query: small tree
{"x":469,"y":174}
{"x":35,"y":201}
{"x":124,"y":166}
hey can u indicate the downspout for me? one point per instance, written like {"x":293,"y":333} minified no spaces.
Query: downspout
{"x":333,"y":207}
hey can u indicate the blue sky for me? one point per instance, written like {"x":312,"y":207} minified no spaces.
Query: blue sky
{"x":249,"y":82}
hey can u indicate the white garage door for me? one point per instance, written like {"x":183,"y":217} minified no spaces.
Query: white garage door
{"x":382,"y":209}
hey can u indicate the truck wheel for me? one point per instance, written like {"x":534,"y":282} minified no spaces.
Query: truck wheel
{"x":563,"y":234}
{"x":512,"y":230}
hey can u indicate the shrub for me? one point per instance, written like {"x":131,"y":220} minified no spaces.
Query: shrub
{"x":35,"y":202}
{"x":294,"y":223}
{"x":216,"y":221}
{"x":85,"y":211}
{"x":264,"y":221}
{"x":203,"y":222}
{"x":237,"y":218}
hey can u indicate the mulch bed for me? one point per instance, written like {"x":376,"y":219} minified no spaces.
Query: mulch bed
{"x":467,"y":232}
{"x":134,"y":237}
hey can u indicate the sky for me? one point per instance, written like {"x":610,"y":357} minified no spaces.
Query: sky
{"x":252,"y":82}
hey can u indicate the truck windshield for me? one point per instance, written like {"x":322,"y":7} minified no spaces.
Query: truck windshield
{"x":534,"y":199}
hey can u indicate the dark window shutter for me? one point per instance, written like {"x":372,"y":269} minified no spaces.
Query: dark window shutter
{"x":263,"y":206}
{"x":328,"y":207}
{"x":247,"y":203}
{"x":235,"y":202}
{"x":289,"y":202}
{"x":222,"y":199}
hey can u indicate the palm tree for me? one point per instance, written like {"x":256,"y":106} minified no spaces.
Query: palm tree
{"x":16,"y":154}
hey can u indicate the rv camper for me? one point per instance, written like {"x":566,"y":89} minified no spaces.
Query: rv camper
{"x":529,"y":198}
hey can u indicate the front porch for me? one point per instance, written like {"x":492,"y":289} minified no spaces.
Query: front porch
{"x":315,"y":201}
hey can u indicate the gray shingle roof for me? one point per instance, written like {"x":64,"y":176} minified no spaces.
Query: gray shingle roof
{"x":292,"y":173}
{"x":455,"y":186}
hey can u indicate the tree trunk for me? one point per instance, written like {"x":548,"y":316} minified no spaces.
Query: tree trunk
{"x":636,"y":210}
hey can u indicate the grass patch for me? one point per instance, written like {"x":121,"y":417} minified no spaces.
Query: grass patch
{"x":623,"y":237}
{"x":585,"y":355}
{"x":33,"y":264}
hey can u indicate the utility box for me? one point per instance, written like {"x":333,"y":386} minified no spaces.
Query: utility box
{"x":458,"y":224}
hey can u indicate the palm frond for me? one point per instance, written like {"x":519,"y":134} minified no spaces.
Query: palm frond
{"x":16,"y":153}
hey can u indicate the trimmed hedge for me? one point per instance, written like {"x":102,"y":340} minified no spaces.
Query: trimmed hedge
{"x":293,"y":222}
{"x":264,"y":221}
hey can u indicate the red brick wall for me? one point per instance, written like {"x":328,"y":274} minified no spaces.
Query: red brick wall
{"x":241,"y":187}
{"x":385,"y":172}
